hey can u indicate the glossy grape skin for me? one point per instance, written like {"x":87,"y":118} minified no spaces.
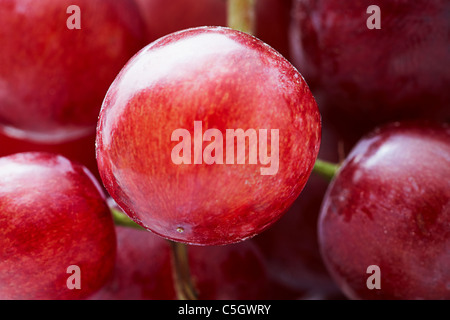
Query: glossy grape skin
{"x":81,"y":150}
{"x":53,"y":215}
{"x":144,"y":270}
{"x":389,"y":206}
{"x":371,"y":77}
{"x":53,"y":79}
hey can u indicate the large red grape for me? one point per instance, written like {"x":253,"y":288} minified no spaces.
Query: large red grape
{"x":372,"y":76}
{"x":53,"y":79}
{"x":389,"y":207}
{"x":207,"y":78}
{"x":53,"y":215}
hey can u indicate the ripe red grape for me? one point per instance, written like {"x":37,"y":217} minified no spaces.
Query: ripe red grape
{"x":214,"y":80}
{"x":53,"y":215}
{"x":389,"y":207}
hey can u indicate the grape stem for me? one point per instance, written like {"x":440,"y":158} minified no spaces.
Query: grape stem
{"x":326,"y":169}
{"x":184,"y":286}
{"x":121,"y":219}
{"x":241,"y":15}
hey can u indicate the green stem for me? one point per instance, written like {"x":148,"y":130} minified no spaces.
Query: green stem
{"x":182,"y":276}
{"x":326,"y":169}
{"x":122,"y":219}
{"x":241,"y":15}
